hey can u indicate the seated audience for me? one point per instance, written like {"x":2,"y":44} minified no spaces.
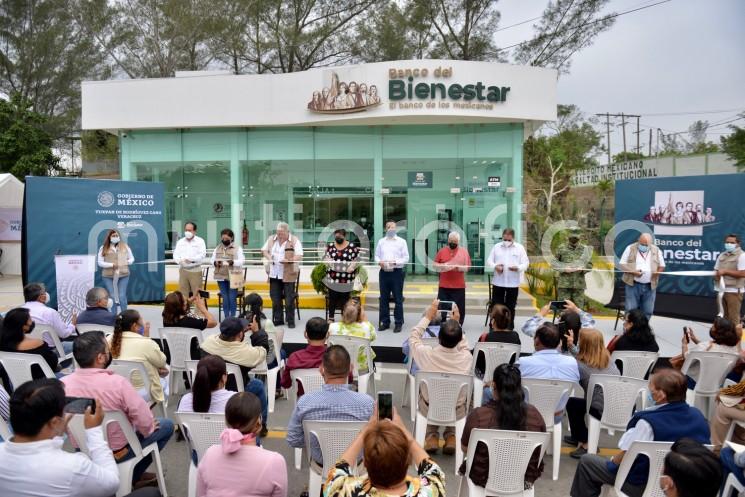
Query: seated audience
{"x":36,"y":297}
{"x":724,"y":338}
{"x":238,"y":466}
{"x":97,"y":305}
{"x":637,"y":335}
{"x":499,"y":322}
{"x":389,"y":449}
{"x":592,"y":358}
{"x":208,"y":393}
{"x":667,"y":421}
{"x":131,"y":342}
{"x":115,"y":393}
{"x":571,"y":314}
{"x":335,"y":402}
{"x":177,"y":312}
{"x":33,"y":462}
{"x":431,"y":331}
{"x":730,"y":407}
{"x":452,"y":355}
{"x":354,"y":323}
{"x":316,"y":333}
{"x":230,"y":344}
{"x":547,"y":362}
{"x":690,"y":470}
{"x":14,"y":338}
{"x":506,"y":411}
{"x":255,"y":305}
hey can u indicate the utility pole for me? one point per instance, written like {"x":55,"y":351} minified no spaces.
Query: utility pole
{"x":650,"y":143}
{"x":638,"y":148}
{"x":623,"y":117}
{"x":607,"y":133}
{"x":623,"y":129}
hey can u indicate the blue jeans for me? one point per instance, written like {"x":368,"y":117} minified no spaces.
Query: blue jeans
{"x":229,"y":298}
{"x":391,"y":282}
{"x":108,"y":283}
{"x":640,"y":296}
{"x":161,"y":436}
{"x":256,"y":387}
{"x":727,"y":457}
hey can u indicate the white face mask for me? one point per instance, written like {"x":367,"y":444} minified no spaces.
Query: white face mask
{"x":114,"y":240}
{"x":390,"y":233}
{"x":109,"y":303}
{"x":507,"y":243}
{"x":189,"y":235}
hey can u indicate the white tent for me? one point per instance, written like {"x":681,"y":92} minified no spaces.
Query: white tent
{"x":11,"y":204}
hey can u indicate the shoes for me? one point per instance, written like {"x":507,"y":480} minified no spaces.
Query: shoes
{"x":147,"y":480}
{"x":264,"y":431}
{"x":449,"y":448}
{"x":279,"y":323}
{"x":432,"y":443}
{"x":578,"y":453}
{"x":291,"y":325}
{"x":570,"y":441}
{"x":397,"y":328}
{"x":384,"y":327}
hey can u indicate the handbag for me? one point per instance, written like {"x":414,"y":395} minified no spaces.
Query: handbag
{"x":236,"y":280}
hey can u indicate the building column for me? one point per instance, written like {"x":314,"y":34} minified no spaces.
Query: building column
{"x":125,"y":167}
{"x":515,"y":200}
{"x":236,"y":204}
{"x":378,"y":227}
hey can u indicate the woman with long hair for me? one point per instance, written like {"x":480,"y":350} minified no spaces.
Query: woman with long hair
{"x":114,"y":259}
{"x":222,"y":470}
{"x":131,"y":341}
{"x":637,"y":334}
{"x":208,"y":393}
{"x":354,"y":323}
{"x":506,"y":411}
{"x":592,"y":358}
{"x":255,"y":312}
{"x":16,"y":326}
{"x":499,"y":322}
{"x":177,"y":312}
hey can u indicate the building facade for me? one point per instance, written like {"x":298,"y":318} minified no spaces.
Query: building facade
{"x":434,"y":145}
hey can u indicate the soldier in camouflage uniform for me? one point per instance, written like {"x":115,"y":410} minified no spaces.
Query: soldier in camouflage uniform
{"x":570,"y":281}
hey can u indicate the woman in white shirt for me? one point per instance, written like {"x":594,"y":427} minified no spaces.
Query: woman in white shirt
{"x":208,"y":393}
{"x":227,"y":258}
{"x":724,"y":338}
{"x":114,"y":259}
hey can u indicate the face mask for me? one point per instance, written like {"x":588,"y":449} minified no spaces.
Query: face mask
{"x":141,"y":330}
{"x":390,"y":233}
{"x":729,"y":247}
{"x":109,"y":303}
{"x":573,"y":240}
{"x":227,"y":242}
{"x":109,"y":359}
{"x":189,"y":235}
{"x":453,"y":245}
{"x":114,"y":240}
{"x":643,"y":249}
{"x":650,"y":399}
{"x":47,"y":297}
{"x":339,"y":239}
{"x":363,"y":219}
{"x":507,"y":243}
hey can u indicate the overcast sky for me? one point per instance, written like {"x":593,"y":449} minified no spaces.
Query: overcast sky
{"x":683,"y":56}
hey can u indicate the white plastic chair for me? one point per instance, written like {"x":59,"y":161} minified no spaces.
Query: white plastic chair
{"x":179,"y":344}
{"x":353,"y":346}
{"x":5,"y":432}
{"x":635,"y":364}
{"x":656,"y":452}
{"x":270,"y":385}
{"x":409,"y":390}
{"x":232,"y":369}
{"x":334,"y":438}
{"x":443,"y":391}
{"x":495,"y":353}
{"x":547,"y":396}
{"x":312,"y":381}
{"x":713,"y":369}
{"x":202,"y":431}
{"x":128,"y":369}
{"x":18,"y":367}
{"x":126,"y":468}
{"x":620,"y":395}
{"x":86,"y":327}
{"x":732,"y":484}
{"x":42,"y":330}
{"x":509,"y":456}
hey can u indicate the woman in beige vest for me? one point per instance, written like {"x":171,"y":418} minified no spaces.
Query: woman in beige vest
{"x":228,"y":259}
{"x":114,"y":259}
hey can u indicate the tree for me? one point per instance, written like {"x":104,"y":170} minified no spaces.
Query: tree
{"x":387,"y":36}
{"x":627,"y":157}
{"x":43,"y":57}
{"x":734,"y":146}
{"x":25,"y":143}
{"x":565,"y":27}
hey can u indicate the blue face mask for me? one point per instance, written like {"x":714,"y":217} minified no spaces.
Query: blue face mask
{"x":643,"y":248}
{"x":650,"y":399}
{"x":729,"y":247}
{"x":141,"y":330}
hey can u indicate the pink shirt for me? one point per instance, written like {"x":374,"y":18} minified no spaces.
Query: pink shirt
{"x":115,"y":393}
{"x":250,"y":472}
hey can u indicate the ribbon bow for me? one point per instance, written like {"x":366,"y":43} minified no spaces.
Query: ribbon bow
{"x":231,"y":440}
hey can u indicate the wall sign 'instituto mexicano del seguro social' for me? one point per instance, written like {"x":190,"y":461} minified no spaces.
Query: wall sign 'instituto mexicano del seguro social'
{"x":637,"y":169}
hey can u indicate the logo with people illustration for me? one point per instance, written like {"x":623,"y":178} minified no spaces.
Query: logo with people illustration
{"x":679,"y":213}
{"x":342,"y":97}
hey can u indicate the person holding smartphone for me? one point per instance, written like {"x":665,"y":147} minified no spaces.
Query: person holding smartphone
{"x":452,"y":262}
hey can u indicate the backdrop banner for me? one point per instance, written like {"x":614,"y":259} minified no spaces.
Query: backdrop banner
{"x":10,"y":224}
{"x":67,"y":216}
{"x":75,"y":275}
{"x":689,"y":217}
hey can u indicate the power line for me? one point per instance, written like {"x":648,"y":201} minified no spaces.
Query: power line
{"x":722,"y":111}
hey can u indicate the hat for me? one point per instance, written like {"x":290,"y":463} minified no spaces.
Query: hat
{"x":230,"y":327}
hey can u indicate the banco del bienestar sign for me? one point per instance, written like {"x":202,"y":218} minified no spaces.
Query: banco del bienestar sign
{"x":406,"y":90}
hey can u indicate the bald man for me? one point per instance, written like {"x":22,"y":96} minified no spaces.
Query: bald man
{"x":641,"y":264}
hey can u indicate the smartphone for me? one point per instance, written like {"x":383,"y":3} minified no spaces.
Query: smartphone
{"x":686,"y":335}
{"x":204,"y":295}
{"x":78,"y":405}
{"x":385,"y":405}
{"x":558,"y":305}
{"x":446,"y":306}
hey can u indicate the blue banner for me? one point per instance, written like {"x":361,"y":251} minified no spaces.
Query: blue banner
{"x":65,"y":216}
{"x":689,"y":217}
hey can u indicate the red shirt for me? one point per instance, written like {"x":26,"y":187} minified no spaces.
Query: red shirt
{"x":310,"y":357}
{"x":453,"y":278}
